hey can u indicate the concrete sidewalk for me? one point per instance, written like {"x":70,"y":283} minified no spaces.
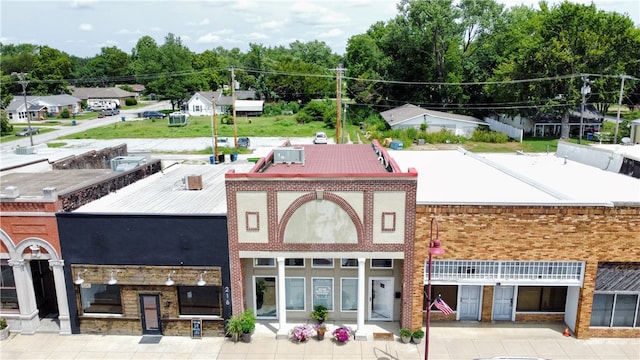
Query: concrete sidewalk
{"x":447,"y":341}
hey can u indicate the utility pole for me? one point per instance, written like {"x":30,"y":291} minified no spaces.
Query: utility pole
{"x":214,"y":131}
{"x":338,"y":102}
{"x":24,"y":82}
{"x":586,"y":89}
{"x":233,"y":99}
{"x":615,"y":134}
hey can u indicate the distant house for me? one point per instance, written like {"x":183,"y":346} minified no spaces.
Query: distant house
{"x":412,"y":116}
{"x":137,"y":88}
{"x":41,"y":107}
{"x":200,"y":103}
{"x":103,"y":98}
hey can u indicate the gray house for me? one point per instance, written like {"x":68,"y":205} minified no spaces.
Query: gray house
{"x":412,"y":116}
{"x":103,"y":98}
{"x":41,"y":107}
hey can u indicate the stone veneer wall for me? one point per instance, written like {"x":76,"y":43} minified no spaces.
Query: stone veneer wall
{"x":73,"y":199}
{"x":531,"y":233}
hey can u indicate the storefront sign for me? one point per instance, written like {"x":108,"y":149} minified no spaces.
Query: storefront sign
{"x":196,"y":328}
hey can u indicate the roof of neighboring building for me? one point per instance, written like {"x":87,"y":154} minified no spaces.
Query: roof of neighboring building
{"x":221,"y":99}
{"x":332,"y":159}
{"x":409,"y":111}
{"x":38,"y":102}
{"x":461,"y":177}
{"x":165,"y":192}
{"x":101,"y":93}
{"x":31,"y":184}
{"x":249,"y":105}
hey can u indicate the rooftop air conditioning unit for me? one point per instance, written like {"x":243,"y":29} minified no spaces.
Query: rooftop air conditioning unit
{"x":288,"y":155}
{"x":193,"y":182}
{"x":25,"y":150}
{"x":11,"y":192}
{"x":125,"y":163}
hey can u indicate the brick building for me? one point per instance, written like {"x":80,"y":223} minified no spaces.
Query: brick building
{"x":33,"y":267}
{"x":528,"y":238}
{"x":328,"y":225}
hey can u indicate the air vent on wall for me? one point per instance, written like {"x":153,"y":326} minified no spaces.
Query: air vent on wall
{"x":193,"y":182}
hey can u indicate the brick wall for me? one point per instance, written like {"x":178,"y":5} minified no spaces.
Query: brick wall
{"x":531,"y":233}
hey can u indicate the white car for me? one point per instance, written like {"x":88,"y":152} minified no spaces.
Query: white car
{"x":321,"y":138}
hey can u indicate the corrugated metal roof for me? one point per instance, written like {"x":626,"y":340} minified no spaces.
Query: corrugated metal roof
{"x":165,"y":193}
{"x":618,"y":277}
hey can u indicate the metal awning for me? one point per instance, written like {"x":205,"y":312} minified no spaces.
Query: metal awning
{"x":618,"y":277}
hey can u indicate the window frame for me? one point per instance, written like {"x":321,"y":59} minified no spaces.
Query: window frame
{"x":314,"y":265}
{"x":331,"y":293}
{"x":342,"y":266}
{"x":84,"y":288}
{"x":200,"y":288}
{"x":271,"y":264}
{"x":294,"y":266}
{"x":371,"y":266}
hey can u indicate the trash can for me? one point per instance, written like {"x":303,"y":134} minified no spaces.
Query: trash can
{"x":234,"y":157}
{"x":220,"y":158}
{"x":122,"y":118}
{"x":589,"y":136}
{"x":212,"y":159}
{"x":73,"y":123}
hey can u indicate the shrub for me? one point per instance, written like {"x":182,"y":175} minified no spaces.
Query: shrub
{"x":320,"y":313}
{"x":418,"y":334}
{"x":131,"y":102}
{"x":65,"y":113}
{"x":3,"y":323}
{"x":405,"y":333}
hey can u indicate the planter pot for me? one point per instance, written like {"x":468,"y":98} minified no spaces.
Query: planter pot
{"x":246,"y":337}
{"x":406,"y":339}
{"x":416,"y":341}
{"x":4,"y":333}
{"x":320,"y":336}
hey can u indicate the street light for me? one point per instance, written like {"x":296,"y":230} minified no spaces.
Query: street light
{"x":434,"y":249}
{"x":24,"y":82}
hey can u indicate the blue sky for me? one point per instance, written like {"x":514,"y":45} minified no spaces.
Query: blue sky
{"x":83,"y":27}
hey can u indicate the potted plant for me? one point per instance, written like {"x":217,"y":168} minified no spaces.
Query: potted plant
{"x":417,"y":336}
{"x":234,"y":327}
{"x":4,"y":329}
{"x":405,"y":335}
{"x":320,"y":313}
{"x":248,"y":324}
{"x":301,"y":333}
{"x":342,"y":334}
{"x":320,"y":330}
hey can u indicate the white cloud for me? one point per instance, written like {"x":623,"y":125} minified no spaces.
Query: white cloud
{"x":331,"y":33}
{"x":208,"y":39}
{"x":85,"y":27}
{"x":257,"y":36}
{"x":127,"y":31}
{"x":200,"y":23}
{"x":82,"y":4}
{"x":271,"y":25}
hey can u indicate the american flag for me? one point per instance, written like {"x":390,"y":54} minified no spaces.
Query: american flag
{"x":442,"y":306}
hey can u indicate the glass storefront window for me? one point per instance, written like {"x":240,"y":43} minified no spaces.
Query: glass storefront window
{"x":200,"y":300}
{"x":327,"y":263}
{"x":601,"y":309}
{"x":625,"y":309}
{"x":381,"y":263}
{"x":101,"y":299}
{"x":349,"y":263}
{"x":295,"y":293}
{"x":349,"y":294}
{"x":294,"y":262}
{"x":541,"y":298}
{"x":8,"y":294}
{"x":449,"y":294}
{"x":264,"y":262}
{"x":265,"y":296}
{"x":322,"y":292}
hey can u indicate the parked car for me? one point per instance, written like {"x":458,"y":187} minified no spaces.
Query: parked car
{"x":153,"y":115}
{"x":244,"y":142}
{"x":110,"y":112}
{"x":28,"y":131}
{"x":320,"y":138}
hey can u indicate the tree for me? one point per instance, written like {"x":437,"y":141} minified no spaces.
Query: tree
{"x":145,"y":60}
{"x":569,"y":39}
{"x":176,"y":79}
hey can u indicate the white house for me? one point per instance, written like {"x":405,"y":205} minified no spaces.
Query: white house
{"x":411,"y":116}
{"x":41,"y":107}
{"x":200,"y":103}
